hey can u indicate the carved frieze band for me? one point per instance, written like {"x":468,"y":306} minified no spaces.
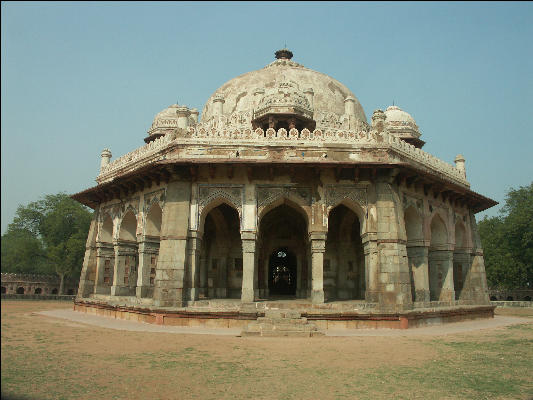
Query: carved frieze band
{"x":335,"y":194}
{"x":267,"y":194}
{"x":231,"y":193}
{"x":409,"y":200}
{"x":157,"y":196}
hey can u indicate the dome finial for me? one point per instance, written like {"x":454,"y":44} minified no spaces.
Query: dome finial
{"x":285,"y":54}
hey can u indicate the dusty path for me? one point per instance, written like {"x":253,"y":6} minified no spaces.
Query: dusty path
{"x":435,"y":330}
{"x":61,"y":354}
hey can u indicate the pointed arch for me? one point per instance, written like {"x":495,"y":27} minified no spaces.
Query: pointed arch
{"x":153,"y":220}
{"x":358,"y":209}
{"x":344,"y":259}
{"x":284,"y":200}
{"x":128,"y":227}
{"x":439,"y":232}
{"x":214,"y":203}
{"x":106,"y":229}
{"x":460,"y":235}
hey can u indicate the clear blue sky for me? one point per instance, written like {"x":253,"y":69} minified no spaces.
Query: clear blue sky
{"x":79,"y":77}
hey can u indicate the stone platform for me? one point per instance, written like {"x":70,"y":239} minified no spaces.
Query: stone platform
{"x":232,"y":313}
{"x":282,"y":323}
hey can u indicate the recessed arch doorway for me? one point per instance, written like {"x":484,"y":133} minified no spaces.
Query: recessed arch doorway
{"x":282,"y":273}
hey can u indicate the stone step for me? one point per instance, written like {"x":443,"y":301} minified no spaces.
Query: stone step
{"x":299,"y":321}
{"x":278,"y":314}
{"x":269,"y":327}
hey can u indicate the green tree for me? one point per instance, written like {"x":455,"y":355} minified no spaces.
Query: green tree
{"x":47,"y":235}
{"x":508,"y":241}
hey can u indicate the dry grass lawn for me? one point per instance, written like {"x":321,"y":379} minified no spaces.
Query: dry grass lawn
{"x":47,"y":358}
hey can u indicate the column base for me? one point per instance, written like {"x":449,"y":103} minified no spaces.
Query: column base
{"x":120,"y":291}
{"x":422,"y":296}
{"x":144,"y":291}
{"x":248,"y":295}
{"x":193,"y":294}
{"x":317,"y":296}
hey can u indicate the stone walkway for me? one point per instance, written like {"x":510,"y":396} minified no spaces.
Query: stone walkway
{"x":445,"y":329}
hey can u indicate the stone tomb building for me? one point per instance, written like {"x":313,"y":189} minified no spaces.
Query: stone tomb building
{"x":283,"y":196}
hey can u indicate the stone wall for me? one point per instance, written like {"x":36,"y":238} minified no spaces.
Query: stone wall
{"x":400,"y":244}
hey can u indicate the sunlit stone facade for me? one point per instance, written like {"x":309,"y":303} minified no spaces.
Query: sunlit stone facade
{"x":283,"y":190}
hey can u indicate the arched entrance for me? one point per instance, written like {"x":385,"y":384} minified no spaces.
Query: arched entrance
{"x":221,"y":265}
{"x":282,"y":273}
{"x":283,"y":252}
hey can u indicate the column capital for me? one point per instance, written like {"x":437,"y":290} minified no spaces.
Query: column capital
{"x":317,"y":235}
{"x":248,"y":235}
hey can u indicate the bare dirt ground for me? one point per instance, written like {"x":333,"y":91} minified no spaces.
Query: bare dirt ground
{"x":52,"y":358}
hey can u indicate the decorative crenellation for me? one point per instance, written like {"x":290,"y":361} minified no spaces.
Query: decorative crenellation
{"x":135,"y":157}
{"x":154,"y":151}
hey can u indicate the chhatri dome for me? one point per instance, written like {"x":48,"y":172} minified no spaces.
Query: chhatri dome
{"x":280,"y":198}
{"x":283,"y":85}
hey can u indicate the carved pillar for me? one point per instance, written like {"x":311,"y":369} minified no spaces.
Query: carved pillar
{"x":249,"y":274}
{"x":370,"y":249}
{"x":170,"y":273}
{"x":441,"y":275}
{"x":194,"y":284}
{"x":148,"y":251}
{"x":418,"y":265}
{"x":125,"y":269}
{"x":105,"y":256}
{"x":318,"y":247}
{"x":477,"y":278}
{"x":88,"y":271}
{"x":203,"y":275}
{"x":394,"y":277}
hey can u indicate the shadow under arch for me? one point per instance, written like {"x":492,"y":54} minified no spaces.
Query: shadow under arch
{"x":283,"y":250}
{"x":220,"y":274}
{"x":416,"y":254}
{"x":440,"y":259}
{"x":359,"y":211}
{"x":214,"y":204}
{"x":284,"y":200}
{"x":461,"y":261}
{"x":344,"y":259}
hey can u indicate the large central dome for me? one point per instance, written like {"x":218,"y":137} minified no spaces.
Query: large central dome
{"x":318,"y":96}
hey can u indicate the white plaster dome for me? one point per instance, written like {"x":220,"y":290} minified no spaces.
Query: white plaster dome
{"x":403,"y":125}
{"x":284,"y":81}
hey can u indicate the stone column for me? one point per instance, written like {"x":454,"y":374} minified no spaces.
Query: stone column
{"x":477,"y":278}
{"x":123,"y":250}
{"x":394,"y":278}
{"x":103,"y":250}
{"x":170,"y":273}
{"x":88,"y":270}
{"x":318,"y":247}
{"x":441,"y":271}
{"x":194,"y":285}
{"x":249,"y":280}
{"x":203,"y":275}
{"x":147,"y":250}
{"x":418,"y":263}
{"x":370,"y":249}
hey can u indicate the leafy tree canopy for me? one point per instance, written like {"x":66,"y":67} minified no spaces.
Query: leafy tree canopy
{"x":47,"y":236}
{"x":508,"y":241}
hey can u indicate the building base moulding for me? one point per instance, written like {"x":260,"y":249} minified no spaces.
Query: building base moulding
{"x":324,"y":319}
